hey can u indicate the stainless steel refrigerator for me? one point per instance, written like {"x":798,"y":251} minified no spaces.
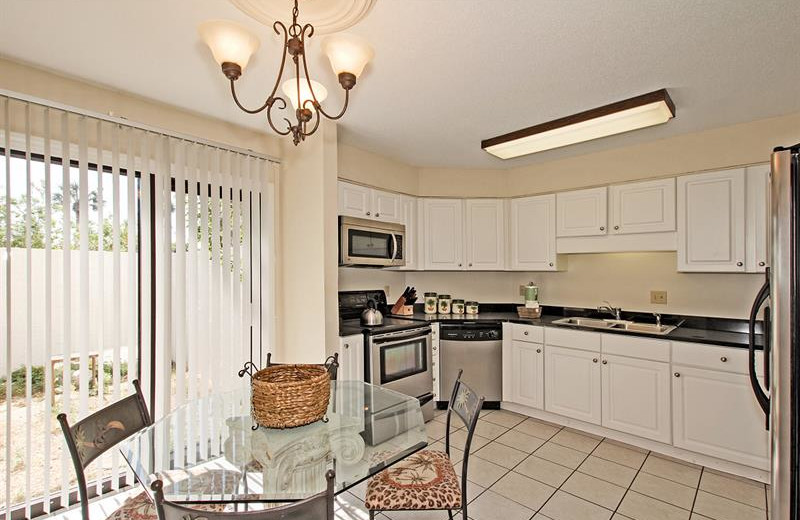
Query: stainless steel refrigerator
{"x":778,"y":300}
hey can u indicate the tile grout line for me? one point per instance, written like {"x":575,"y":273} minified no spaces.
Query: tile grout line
{"x":616,"y":509}
{"x":697,"y":491}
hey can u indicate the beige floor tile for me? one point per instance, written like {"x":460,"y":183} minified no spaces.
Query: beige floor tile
{"x":415,"y":515}
{"x":524,"y":490}
{"x":563,"y":506}
{"x":458,"y":440}
{"x":489,"y":430}
{"x":544,"y":471}
{"x":618,"y":516}
{"x":616,"y":452}
{"x":435,"y":430}
{"x":608,"y":471}
{"x":456,"y":455}
{"x":482,"y":472}
{"x":491,"y":506}
{"x":736,"y":488}
{"x":501,"y":454}
{"x":505,"y":418}
{"x":665,"y":490}
{"x":537,"y":428}
{"x":520,"y":441}
{"x":575,"y":440}
{"x":594,"y":490}
{"x":640,"y":507}
{"x":696,"y":516}
{"x":540,"y":516}
{"x":473,"y":491}
{"x":675,"y":459}
{"x":721,"y":508}
{"x":561,"y":455}
{"x":675,"y":471}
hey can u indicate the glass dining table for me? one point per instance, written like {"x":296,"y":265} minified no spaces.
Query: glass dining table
{"x":206,"y":451}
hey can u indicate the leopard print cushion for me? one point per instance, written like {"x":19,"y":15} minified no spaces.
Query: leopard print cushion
{"x":423,"y":481}
{"x":139,"y":507}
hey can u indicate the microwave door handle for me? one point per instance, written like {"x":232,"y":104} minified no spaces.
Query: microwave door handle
{"x":761,"y":396}
{"x":394,"y":246}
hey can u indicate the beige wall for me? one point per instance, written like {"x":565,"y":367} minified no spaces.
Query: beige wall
{"x":359,"y":279}
{"x":364,"y":167}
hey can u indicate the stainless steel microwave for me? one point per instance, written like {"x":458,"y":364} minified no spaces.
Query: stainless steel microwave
{"x":371,"y":243}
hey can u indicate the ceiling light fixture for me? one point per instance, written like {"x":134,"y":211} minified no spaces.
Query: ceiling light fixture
{"x":637,"y":112}
{"x":232,"y":45}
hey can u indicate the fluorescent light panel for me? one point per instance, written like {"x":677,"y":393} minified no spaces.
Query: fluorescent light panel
{"x":642,"y":111}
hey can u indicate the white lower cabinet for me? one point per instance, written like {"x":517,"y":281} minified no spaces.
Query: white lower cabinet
{"x":715,"y":413}
{"x":351,"y":358}
{"x":636,"y":397}
{"x":527,"y":373}
{"x":572,"y":383}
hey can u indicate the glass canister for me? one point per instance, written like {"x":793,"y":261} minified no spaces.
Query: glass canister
{"x":458,"y":306}
{"x":430,"y":302}
{"x":444,"y":303}
{"x":472,"y":307}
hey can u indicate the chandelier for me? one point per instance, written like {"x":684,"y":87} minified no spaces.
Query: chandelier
{"x":232,"y":46}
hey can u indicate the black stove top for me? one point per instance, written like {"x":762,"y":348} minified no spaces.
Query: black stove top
{"x":353,"y":303}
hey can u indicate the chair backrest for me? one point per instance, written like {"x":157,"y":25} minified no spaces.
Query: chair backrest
{"x":317,"y":507}
{"x":331,"y":364}
{"x":91,"y":437}
{"x":466,"y":405}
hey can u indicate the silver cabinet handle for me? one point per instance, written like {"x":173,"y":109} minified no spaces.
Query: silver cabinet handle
{"x":605,"y":361}
{"x":723,"y":359}
{"x":677,"y":374}
{"x":369,"y":213}
{"x":377,"y":214}
{"x":616,"y":227}
{"x":551,"y":264}
{"x":762,"y":264}
{"x":739,"y":264}
{"x":538,"y":351}
{"x":594,"y":360}
{"x":346,"y":345}
{"x":526,"y":332}
{"x":470,"y":264}
{"x":602,"y":228}
{"x":434,"y":348}
{"x":459,"y":265}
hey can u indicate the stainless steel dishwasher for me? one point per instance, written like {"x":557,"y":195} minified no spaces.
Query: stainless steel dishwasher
{"x":476,"y":348}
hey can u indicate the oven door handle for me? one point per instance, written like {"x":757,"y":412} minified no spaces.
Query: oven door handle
{"x":401,"y":339}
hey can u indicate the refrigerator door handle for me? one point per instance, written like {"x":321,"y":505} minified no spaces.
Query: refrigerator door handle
{"x":761,"y":396}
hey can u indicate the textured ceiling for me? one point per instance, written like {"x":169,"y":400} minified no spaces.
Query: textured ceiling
{"x":448,"y":73}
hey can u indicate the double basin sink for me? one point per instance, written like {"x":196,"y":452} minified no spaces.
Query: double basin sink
{"x":621,"y":325}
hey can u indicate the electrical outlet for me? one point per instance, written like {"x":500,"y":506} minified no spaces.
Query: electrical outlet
{"x":659,"y":297}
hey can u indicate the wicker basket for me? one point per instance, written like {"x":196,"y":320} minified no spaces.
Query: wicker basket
{"x":529,"y":313}
{"x":286,"y":396}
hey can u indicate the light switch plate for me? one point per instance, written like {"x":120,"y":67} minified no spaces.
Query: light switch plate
{"x":659,"y":297}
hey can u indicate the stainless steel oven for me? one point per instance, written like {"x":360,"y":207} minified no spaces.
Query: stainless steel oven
{"x":371,"y":243}
{"x":401,"y":360}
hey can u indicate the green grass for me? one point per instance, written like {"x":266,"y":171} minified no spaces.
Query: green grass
{"x":19,"y":379}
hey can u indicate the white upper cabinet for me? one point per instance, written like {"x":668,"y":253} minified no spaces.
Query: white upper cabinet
{"x":444,"y":234}
{"x":386,"y":206}
{"x":643,"y":207}
{"x":532,"y":231}
{"x":354,"y":200}
{"x":757,"y":181}
{"x":711,"y":222}
{"x":582,"y":213}
{"x":485,"y":234}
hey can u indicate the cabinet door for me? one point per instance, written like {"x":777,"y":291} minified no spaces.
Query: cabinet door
{"x":444,"y":234}
{"x":351,"y":358}
{"x":354,"y":200}
{"x":757,"y":187}
{"x":572,"y":383}
{"x":711,"y":222}
{"x":485,"y":234}
{"x":533,"y":233}
{"x":643,"y":207}
{"x":408,"y":207}
{"x":581,"y":213}
{"x":715,"y":413}
{"x":386,"y":206}
{"x":636,"y":397}
{"x":527,"y":374}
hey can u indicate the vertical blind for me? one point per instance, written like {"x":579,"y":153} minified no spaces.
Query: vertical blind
{"x":128,"y":253}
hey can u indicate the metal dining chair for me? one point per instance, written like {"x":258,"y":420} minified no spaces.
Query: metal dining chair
{"x":426,"y":481}
{"x":317,"y":507}
{"x":91,"y":437}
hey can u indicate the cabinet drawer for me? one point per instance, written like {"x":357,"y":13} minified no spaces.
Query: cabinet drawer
{"x":573,"y":339}
{"x":529,"y":333}
{"x":636,"y":347}
{"x":726,"y":359}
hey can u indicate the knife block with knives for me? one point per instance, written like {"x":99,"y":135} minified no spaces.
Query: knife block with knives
{"x":405,"y":304}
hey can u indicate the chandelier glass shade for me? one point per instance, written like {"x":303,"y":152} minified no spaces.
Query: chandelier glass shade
{"x":232,"y":45}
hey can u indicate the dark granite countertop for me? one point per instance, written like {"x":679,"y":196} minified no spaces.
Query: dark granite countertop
{"x":695,"y":329}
